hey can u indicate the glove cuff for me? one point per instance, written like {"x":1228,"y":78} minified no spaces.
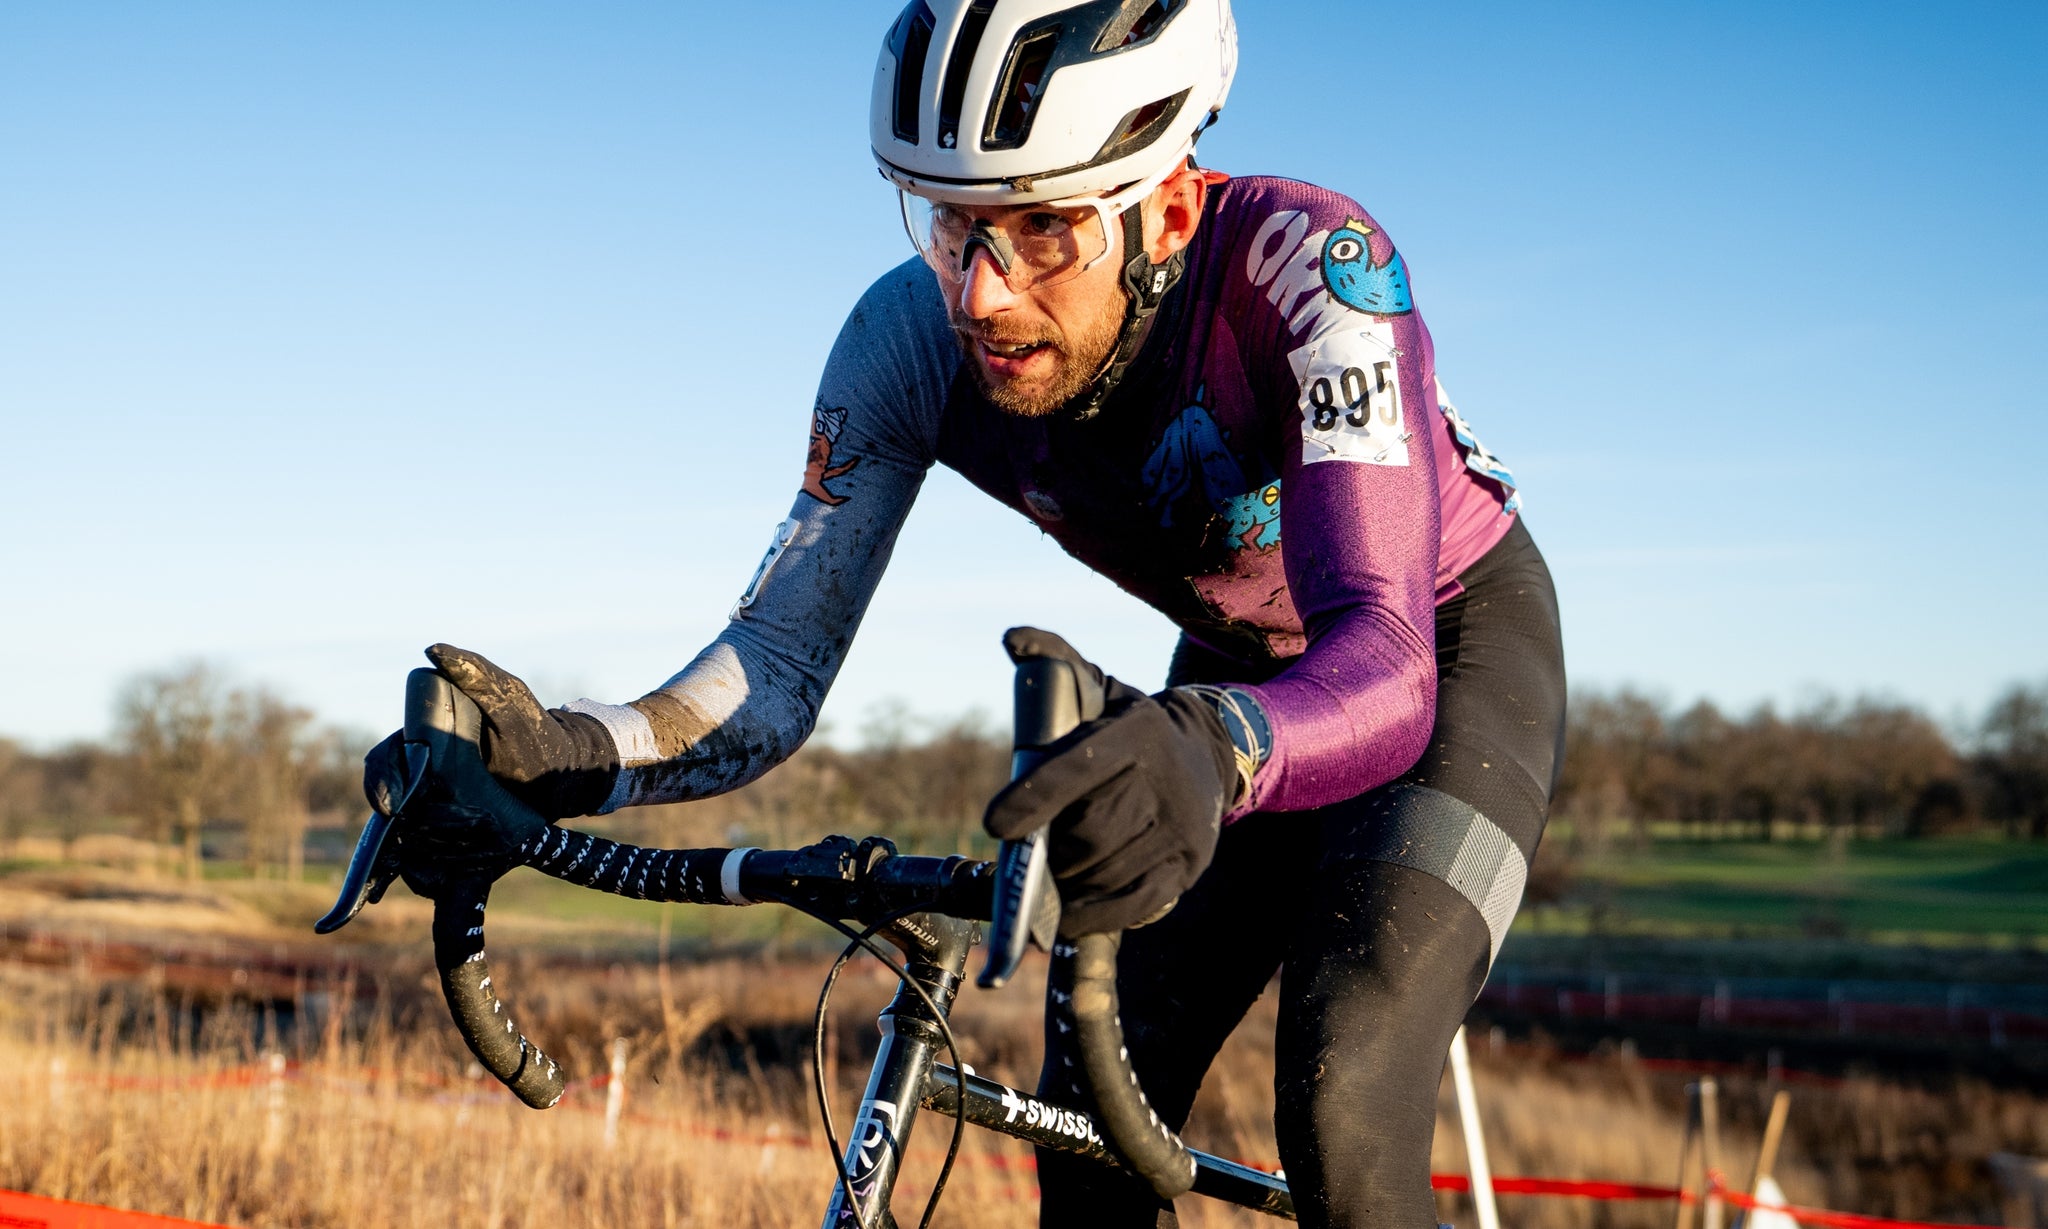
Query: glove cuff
{"x":1245,"y":724}
{"x":627,"y":733}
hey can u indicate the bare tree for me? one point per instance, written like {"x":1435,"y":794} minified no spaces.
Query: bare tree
{"x":2012,"y":764}
{"x":82,"y":785}
{"x":21,"y":791}
{"x":169,"y":726}
{"x":269,"y":751}
{"x":1864,"y":768}
{"x":1895,"y":756}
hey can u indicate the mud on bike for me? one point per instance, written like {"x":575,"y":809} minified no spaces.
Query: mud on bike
{"x":931,"y":910}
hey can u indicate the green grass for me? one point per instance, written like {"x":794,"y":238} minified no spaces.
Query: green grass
{"x":1965,"y":888}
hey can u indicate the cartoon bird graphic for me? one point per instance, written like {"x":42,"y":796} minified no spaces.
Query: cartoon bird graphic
{"x":1353,"y":280}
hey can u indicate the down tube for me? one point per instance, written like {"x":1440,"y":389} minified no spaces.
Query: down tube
{"x":1022,"y":1116}
{"x":910,"y":1048}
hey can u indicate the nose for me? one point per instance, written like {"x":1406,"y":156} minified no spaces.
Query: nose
{"x":984,"y":290}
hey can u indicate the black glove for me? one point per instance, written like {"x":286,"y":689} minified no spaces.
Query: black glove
{"x":444,"y":841}
{"x":1135,"y":799}
{"x":562,"y":764}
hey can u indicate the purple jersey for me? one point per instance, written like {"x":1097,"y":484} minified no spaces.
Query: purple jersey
{"x":1279,"y":473}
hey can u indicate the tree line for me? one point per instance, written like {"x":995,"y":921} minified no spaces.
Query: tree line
{"x":203,"y":769}
{"x":1861,"y":768}
{"x":190,"y":757}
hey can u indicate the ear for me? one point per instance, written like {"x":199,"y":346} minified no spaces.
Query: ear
{"x":1174,"y":211}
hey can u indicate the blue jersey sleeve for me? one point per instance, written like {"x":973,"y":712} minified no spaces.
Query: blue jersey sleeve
{"x":751,"y":697}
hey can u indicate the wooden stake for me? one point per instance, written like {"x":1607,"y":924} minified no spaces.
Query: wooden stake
{"x":1774,"y":1131}
{"x":1475,"y":1140}
{"x":1710,"y":1152}
{"x":1685,"y":1152}
{"x":615,"y":1094}
{"x":273,"y":1101}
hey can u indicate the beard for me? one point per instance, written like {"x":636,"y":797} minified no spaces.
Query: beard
{"x":1080,"y":357}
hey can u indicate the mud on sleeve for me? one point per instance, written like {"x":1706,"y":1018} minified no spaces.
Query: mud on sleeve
{"x":751,"y":697}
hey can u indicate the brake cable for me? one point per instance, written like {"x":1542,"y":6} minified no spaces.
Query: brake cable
{"x":865,"y":940}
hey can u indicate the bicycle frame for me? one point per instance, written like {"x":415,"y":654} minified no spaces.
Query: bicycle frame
{"x":927,"y":908}
{"x":907,"y":1077}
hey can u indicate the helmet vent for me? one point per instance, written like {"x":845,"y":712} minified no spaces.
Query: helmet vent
{"x":972,"y":25}
{"x":1141,"y":127}
{"x":1021,"y":88}
{"x":910,"y":42}
{"x":1139,"y":21}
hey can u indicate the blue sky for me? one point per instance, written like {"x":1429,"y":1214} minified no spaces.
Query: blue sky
{"x":330,"y":331}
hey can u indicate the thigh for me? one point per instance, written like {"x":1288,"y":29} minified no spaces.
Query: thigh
{"x":1183,"y":983}
{"x":1498,"y":740}
{"x":1383,"y":963}
{"x":1412,"y":889}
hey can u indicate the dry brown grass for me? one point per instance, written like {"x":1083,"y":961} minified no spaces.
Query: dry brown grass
{"x":124,"y":1101}
{"x":383,"y":1122}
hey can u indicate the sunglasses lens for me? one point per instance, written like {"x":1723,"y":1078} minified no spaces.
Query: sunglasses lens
{"x":1049,"y":243}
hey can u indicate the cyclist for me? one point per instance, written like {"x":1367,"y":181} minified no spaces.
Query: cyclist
{"x":1218,"y":392}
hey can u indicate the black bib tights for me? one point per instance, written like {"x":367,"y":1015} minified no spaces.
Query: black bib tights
{"x":1371,"y":912}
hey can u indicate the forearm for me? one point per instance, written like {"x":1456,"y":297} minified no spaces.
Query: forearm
{"x":751,"y":698}
{"x":1352,"y":714}
{"x":1364,"y":529}
{"x":734,"y":712}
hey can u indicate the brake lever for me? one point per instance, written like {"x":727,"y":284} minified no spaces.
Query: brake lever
{"x":374,"y":865}
{"x":1026,"y":906}
{"x":1050,"y":699}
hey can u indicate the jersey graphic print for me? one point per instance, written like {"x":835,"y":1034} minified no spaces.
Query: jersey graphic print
{"x":1348,"y":370}
{"x":826,"y":424}
{"x":1193,"y":461}
{"x":1478,"y":458}
{"x":1254,"y":518}
{"x":1352,"y":278}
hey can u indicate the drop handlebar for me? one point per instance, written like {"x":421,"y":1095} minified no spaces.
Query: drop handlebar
{"x":866,"y":882}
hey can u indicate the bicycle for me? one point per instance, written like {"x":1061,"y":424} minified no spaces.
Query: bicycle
{"x":928,"y":908}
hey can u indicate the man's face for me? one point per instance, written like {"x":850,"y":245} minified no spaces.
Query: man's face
{"x":1035,"y":349}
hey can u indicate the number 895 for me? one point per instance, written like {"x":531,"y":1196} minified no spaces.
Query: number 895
{"x":1357,"y":393}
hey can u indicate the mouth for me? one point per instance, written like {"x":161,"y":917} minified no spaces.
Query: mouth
{"x":1008,"y":360}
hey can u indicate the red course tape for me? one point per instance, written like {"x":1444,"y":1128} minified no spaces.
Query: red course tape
{"x":18,"y":1211}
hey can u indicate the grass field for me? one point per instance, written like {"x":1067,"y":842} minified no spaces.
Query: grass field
{"x":1977,"y":892}
{"x":380,"y":1124}
{"x":1963,"y":889}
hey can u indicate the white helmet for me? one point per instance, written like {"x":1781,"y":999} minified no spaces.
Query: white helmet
{"x":1017,"y":101}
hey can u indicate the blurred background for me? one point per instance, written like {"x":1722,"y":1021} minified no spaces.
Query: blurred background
{"x":326,"y":333}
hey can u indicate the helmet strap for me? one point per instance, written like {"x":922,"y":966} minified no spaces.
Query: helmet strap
{"x":1145,"y":287}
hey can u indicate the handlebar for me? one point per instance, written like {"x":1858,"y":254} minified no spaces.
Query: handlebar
{"x":448,"y":725}
{"x":864,"y":881}
{"x":1052,"y":696}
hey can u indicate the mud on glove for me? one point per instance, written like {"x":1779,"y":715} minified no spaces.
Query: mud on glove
{"x":1135,"y":799}
{"x":562,"y":764}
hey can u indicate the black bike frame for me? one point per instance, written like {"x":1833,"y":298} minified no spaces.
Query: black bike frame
{"x":907,"y":1076}
{"x":927,"y":908}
